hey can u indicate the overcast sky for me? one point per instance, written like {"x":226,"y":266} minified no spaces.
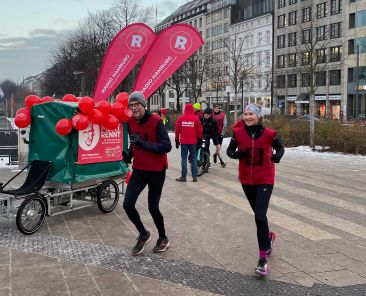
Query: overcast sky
{"x":31,"y":29}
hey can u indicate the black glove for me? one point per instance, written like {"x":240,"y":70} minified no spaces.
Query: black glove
{"x":199,"y":144}
{"x":275,"y":158}
{"x":135,"y":139}
{"x":239,"y":154}
{"x":177,"y":144}
{"x":126,"y":157}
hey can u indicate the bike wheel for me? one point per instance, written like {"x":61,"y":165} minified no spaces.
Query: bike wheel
{"x":31,"y":214}
{"x":107,"y":196}
{"x":203,"y":163}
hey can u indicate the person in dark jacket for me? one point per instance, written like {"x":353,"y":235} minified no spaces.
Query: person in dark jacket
{"x":210,"y":130}
{"x":188,"y":132}
{"x":149,"y":145}
{"x":220,"y":118}
{"x":253,"y":144}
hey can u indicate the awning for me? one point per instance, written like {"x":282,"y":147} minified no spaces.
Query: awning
{"x":291,"y":98}
{"x":303,"y":98}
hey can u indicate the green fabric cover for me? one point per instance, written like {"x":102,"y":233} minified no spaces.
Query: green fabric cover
{"x":46,"y":144}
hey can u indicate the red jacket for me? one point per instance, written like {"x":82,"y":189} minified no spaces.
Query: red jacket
{"x":220,"y":118}
{"x":256,"y":167}
{"x":188,"y":127}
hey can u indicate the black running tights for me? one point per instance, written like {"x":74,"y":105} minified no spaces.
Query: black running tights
{"x":138,"y":181}
{"x":258,"y":197}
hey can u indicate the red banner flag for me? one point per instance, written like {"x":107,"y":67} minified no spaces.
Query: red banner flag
{"x":125,"y":50}
{"x":169,"y":51}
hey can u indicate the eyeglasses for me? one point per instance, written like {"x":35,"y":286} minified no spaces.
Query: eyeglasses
{"x":134,"y":105}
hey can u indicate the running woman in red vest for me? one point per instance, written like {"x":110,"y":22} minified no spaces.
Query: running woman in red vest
{"x":252,"y":144}
{"x":150,"y":144}
{"x":221,"y":120}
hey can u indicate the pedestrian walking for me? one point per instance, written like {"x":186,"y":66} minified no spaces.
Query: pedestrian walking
{"x":149,"y":145}
{"x":221,"y":120}
{"x":252,"y":144}
{"x":188,"y":133}
{"x":210,"y":131}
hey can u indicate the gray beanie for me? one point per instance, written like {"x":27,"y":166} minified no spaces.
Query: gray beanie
{"x":137,"y":96}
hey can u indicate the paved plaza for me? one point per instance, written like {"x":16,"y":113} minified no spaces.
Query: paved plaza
{"x":318,"y":211}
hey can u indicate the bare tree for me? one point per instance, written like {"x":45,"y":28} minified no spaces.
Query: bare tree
{"x":178,"y":82}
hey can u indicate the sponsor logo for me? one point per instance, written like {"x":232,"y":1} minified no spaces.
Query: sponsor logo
{"x":188,"y":123}
{"x":89,"y":138}
{"x":136,"y":41}
{"x":40,"y":116}
{"x":181,"y":42}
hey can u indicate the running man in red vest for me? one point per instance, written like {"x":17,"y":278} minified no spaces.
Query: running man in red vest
{"x":221,"y":120}
{"x":150,"y":144}
{"x":252,"y":144}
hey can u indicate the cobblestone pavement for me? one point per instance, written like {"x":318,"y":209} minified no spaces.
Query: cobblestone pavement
{"x":317,"y":209}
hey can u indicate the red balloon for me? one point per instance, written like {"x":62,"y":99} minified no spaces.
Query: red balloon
{"x":104,"y":107}
{"x":23,"y":110}
{"x":32,"y":100}
{"x":117,"y":109}
{"x":64,"y":126}
{"x":69,"y":98}
{"x":96,"y":116}
{"x":125,"y":115}
{"x":80,"y":121}
{"x":122,"y":97}
{"x":46,"y":99}
{"x":110,"y":122}
{"x":86,"y":104}
{"x":22,"y":120}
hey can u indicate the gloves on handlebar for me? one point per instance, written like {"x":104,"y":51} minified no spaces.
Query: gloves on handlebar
{"x":177,"y":144}
{"x":126,"y":157}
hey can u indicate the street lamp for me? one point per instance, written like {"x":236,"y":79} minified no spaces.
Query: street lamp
{"x":82,"y":82}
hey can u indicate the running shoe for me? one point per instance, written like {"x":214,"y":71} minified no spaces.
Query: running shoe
{"x":262,"y":267}
{"x":141,"y":243}
{"x":272,"y":237}
{"x":162,"y":245}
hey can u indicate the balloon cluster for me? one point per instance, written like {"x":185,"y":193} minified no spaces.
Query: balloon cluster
{"x":104,"y":113}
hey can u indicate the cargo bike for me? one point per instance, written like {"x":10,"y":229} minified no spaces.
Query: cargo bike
{"x":56,"y":183}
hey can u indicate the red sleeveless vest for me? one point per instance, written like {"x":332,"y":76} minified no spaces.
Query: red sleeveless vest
{"x":142,"y":159}
{"x":220,"y":120}
{"x":256,"y":167}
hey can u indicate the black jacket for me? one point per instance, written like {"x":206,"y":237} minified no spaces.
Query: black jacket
{"x":210,"y":130}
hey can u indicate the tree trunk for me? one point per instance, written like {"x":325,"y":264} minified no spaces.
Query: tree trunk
{"x":235,"y":107}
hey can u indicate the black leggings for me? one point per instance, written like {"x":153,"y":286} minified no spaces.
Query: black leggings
{"x":258,"y":197}
{"x":138,"y":181}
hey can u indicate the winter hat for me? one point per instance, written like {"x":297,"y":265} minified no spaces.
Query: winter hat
{"x":197,"y":106}
{"x":137,"y":96}
{"x":254,"y":108}
{"x":163,"y":111}
{"x":208,"y":111}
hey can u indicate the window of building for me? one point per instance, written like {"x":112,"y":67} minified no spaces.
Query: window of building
{"x":290,"y":2}
{"x":334,"y":77}
{"x":335,"y":30}
{"x":208,"y":31}
{"x":320,"y":33}
{"x":281,"y":81}
{"x":226,"y":27}
{"x":268,"y":36}
{"x":321,"y":56}
{"x":305,"y":79}
{"x":361,"y":44}
{"x":291,"y":80}
{"x":226,"y":13}
{"x":292,"y":39}
{"x":282,"y":21}
{"x":208,"y":20}
{"x":292,"y":18}
{"x":200,"y":22}
{"x":351,"y":46}
{"x":306,"y":58}
{"x":260,"y":38}
{"x":306,"y":36}
{"x":335,"y":53}
{"x":216,"y":30}
{"x":171,"y":94}
{"x":217,"y":16}
{"x":321,"y":10}
{"x":281,"y":3}
{"x":268,"y":57}
{"x":360,"y":20}
{"x":292,"y":60}
{"x":281,"y":41}
{"x":335,"y":6}
{"x":195,"y":23}
{"x":321,"y":78}
{"x":259,"y":58}
{"x":306,"y":14}
{"x":352,"y":20}
{"x":281,"y":61}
